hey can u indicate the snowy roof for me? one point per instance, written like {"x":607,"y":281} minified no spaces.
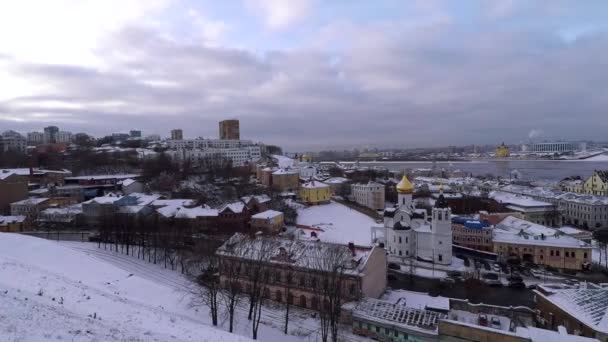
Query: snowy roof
{"x":6,"y":173}
{"x":11,"y":219}
{"x":314,"y":185}
{"x":286,"y":172}
{"x":98,"y":177}
{"x":543,"y":335}
{"x":397,"y":314}
{"x":305,"y":254}
{"x":334,"y":222}
{"x":572,"y":231}
{"x":236,"y":207}
{"x":283,"y":161}
{"x":107,"y":199}
{"x":258,"y":198}
{"x":128,"y":182}
{"x":131,"y":209}
{"x":268,"y":214}
{"x":172,"y":202}
{"x":417,"y":300}
{"x":518,"y":200}
{"x":524,"y":239}
{"x":192,"y":213}
{"x":336,"y":180}
{"x":556,"y":195}
{"x":72,"y":209}
{"x":590,"y":306}
{"x":31,"y":201}
{"x":144,"y":199}
{"x":515,"y":225}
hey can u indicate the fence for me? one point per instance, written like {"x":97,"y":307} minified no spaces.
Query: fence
{"x":62,"y":235}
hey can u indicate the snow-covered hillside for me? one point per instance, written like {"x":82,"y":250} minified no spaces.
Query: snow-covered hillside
{"x":52,"y":292}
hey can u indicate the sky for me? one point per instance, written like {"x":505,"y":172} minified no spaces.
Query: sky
{"x":309,"y":74}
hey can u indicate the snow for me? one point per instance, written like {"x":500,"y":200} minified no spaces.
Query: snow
{"x":336,"y":180}
{"x":107,"y":199}
{"x":284,"y":162}
{"x":31,"y":201}
{"x":337,"y":223}
{"x":510,"y":230}
{"x":473,"y":319}
{"x":128,"y":182}
{"x":236,"y":207}
{"x":101,"y":177}
{"x":11,"y":219}
{"x":599,"y":157}
{"x":268,"y":214}
{"x":192,"y":213}
{"x":417,"y":300}
{"x":542,"y":335}
{"x":314,"y":185}
{"x":144,"y":199}
{"x":51,"y":292}
{"x":518,"y":200}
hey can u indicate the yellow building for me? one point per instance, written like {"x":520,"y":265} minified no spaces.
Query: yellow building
{"x":502,"y":151}
{"x":305,"y":158}
{"x":269,"y":222}
{"x":315,"y":192}
{"x":597,"y":184}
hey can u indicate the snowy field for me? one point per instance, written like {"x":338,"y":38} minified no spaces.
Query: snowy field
{"x":339,"y":223}
{"x":74,"y":291}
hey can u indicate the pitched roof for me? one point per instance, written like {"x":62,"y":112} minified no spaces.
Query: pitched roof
{"x":590,"y":306}
{"x":603,"y":174}
{"x":268,"y":214}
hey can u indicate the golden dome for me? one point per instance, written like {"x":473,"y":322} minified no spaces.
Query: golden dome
{"x":405,"y":186}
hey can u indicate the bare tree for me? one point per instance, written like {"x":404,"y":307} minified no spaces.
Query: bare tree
{"x":331,"y":262}
{"x":208,"y":290}
{"x":231,"y":269}
{"x":260,"y":250}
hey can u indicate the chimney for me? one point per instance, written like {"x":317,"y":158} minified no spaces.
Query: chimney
{"x":351,"y":246}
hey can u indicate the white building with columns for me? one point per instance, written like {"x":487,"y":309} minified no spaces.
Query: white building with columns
{"x":408,"y":232}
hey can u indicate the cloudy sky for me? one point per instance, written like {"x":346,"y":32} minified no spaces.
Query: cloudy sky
{"x":309,"y":74}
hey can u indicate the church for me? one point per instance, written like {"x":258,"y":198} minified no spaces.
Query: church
{"x":409,"y":233}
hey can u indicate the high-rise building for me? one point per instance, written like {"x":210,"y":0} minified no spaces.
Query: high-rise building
{"x":50,"y":134}
{"x":177,"y":134}
{"x":135,"y":134}
{"x":229,"y":130}
{"x":35,"y":138}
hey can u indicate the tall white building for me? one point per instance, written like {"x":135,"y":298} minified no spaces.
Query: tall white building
{"x":408,"y":232}
{"x":35,"y":138}
{"x":370,"y":195}
{"x":64,"y":137}
{"x":238,"y":156}
{"x":13,"y":141}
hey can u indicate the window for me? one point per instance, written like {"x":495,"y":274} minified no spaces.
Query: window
{"x":585,"y":255}
{"x":556,"y":253}
{"x":400,"y":239}
{"x":551,"y":252}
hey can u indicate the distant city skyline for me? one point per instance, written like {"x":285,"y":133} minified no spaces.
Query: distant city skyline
{"x":309,"y":74}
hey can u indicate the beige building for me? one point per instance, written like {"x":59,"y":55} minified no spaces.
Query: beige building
{"x":229,"y":130}
{"x":539,"y":244}
{"x":269,"y":222}
{"x":370,"y":195}
{"x":315,"y":192}
{"x":285,"y":180}
{"x":13,"y":188}
{"x":302,"y":262}
{"x":12,"y":224}
{"x":597,"y":184}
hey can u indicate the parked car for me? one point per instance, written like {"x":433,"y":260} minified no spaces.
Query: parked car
{"x":483,"y":320}
{"x":391,"y":277}
{"x":515,"y":278}
{"x":454,"y":273}
{"x":495,"y":323}
{"x":394,"y":266}
{"x":496,"y":267}
{"x":491,"y":278}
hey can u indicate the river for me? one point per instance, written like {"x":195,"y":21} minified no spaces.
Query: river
{"x":550,"y":170}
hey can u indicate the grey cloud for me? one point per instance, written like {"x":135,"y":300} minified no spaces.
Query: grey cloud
{"x":424,"y":86}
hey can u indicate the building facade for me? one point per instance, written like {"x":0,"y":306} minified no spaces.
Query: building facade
{"x":301,"y":263}
{"x":314,"y":192}
{"x":35,"y":138}
{"x":554,"y":147}
{"x":50,"y":134}
{"x":268,"y":222}
{"x":13,"y":141}
{"x":64,"y":137}
{"x":370,"y":195}
{"x":472,"y":234}
{"x":286,"y":180}
{"x":13,"y":188}
{"x":597,"y":184}
{"x":229,"y":130}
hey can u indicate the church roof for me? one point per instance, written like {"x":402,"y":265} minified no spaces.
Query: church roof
{"x":405,"y":186}
{"x":399,"y":226}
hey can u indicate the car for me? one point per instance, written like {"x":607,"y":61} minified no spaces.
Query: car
{"x":491,"y":278}
{"x":482,"y":320}
{"x":448,"y":280}
{"x":496,"y":267}
{"x":495,"y":323}
{"x":391,"y":277}
{"x":454,"y":273}
{"x":394,"y":266}
{"x":517,"y":285}
{"x":532,"y":286}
